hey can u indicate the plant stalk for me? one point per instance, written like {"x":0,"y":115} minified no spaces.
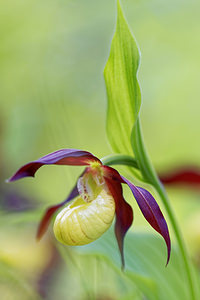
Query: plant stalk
{"x":143,"y":162}
{"x":150,"y":176}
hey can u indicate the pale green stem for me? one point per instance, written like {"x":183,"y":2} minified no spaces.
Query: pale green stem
{"x":150,"y":176}
{"x":120,"y":159}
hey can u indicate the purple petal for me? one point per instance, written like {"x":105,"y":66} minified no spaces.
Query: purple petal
{"x":147,"y":204}
{"x":44,"y":223}
{"x":151,"y":212}
{"x":124,"y":214}
{"x":72,"y":157}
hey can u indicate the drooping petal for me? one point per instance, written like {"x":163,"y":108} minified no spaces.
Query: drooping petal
{"x":44,"y":223}
{"x":72,"y":157}
{"x":124,"y":214}
{"x":151,"y":212}
{"x":147,"y":205}
{"x":187,"y":176}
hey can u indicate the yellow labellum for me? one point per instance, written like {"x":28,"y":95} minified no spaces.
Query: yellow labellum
{"x":81,"y":223}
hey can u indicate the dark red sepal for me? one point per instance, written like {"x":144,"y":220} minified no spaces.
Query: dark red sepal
{"x":72,"y":157}
{"x":124,"y":215}
{"x":44,"y":223}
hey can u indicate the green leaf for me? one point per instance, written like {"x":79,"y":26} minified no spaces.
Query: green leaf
{"x":104,"y":279}
{"x":145,"y":264}
{"x":122,"y":86}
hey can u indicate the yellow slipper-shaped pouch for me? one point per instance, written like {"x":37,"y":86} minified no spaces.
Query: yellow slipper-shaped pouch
{"x":81,"y":223}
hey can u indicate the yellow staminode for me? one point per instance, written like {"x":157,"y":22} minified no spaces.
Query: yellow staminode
{"x":95,"y":164}
{"x":81,"y":223}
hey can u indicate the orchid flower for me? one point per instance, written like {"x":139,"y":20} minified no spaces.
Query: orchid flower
{"x":98,"y":198}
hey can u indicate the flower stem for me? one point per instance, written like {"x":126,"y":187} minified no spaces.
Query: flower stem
{"x":150,"y":176}
{"x":185,"y":257}
{"x":143,"y":162}
{"x":120,"y":159}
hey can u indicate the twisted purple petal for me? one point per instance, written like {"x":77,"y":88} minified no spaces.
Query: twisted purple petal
{"x":147,"y":205}
{"x":151,"y":212}
{"x":72,"y":157}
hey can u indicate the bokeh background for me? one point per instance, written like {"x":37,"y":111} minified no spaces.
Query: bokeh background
{"x":52,"y":96}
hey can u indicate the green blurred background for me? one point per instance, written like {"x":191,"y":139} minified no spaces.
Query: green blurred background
{"x":52,"y":96}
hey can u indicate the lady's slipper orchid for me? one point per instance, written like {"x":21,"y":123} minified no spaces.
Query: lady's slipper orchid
{"x":99,"y":197}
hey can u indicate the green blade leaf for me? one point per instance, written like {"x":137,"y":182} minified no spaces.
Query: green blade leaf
{"x":96,"y":277}
{"x":145,"y":264}
{"x":122,"y":86}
